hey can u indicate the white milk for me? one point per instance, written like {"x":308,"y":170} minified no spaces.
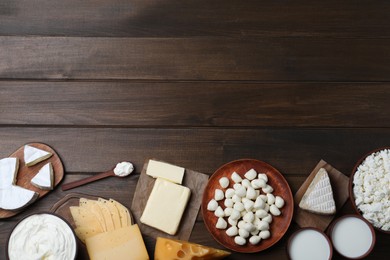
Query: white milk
{"x":351,"y":237}
{"x":309,"y":244}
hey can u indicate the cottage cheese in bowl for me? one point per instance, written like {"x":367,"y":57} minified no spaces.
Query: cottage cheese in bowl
{"x":42,"y":236}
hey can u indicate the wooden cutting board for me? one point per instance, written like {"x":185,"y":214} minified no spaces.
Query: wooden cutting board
{"x":25,"y":174}
{"x":339,"y":184}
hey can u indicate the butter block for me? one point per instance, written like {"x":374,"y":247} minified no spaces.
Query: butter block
{"x":177,"y":249}
{"x":165,"y":171}
{"x":165,"y":206}
{"x":125,"y":243}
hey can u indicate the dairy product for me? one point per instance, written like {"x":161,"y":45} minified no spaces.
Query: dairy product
{"x":33,"y":155}
{"x":42,"y":236}
{"x":309,"y":244}
{"x":352,"y":237}
{"x":318,"y":197}
{"x":8,"y":171}
{"x":176,"y":249}
{"x":44,"y":179}
{"x":165,"y":206}
{"x":16,"y":197}
{"x":121,"y":244}
{"x":372,"y":189}
{"x":165,"y":171}
{"x":123,"y":169}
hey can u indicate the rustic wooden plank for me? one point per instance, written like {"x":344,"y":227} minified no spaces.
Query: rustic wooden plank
{"x":271,"y":59}
{"x":232,"y":18}
{"x":290,"y":150}
{"x":194,"y":104}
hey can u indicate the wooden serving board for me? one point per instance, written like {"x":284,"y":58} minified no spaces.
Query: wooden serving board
{"x":339,"y":184}
{"x":25,"y":174}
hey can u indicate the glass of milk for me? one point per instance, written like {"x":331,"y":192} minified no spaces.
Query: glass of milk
{"x":352,"y":236}
{"x":309,"y":244}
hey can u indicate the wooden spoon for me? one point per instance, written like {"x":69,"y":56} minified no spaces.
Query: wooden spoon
{"x":96,"y":177}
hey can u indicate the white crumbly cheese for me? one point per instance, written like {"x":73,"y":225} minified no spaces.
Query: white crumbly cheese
{"x":372,"y":189}
{"x":165,"y":206}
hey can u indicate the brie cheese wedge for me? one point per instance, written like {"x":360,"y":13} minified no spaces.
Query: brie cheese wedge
{"x":318,"y":198}
{"x":34,"y":155}
{"x":8,"y":171}
{"x":44,"y":178}
{"x":15,"y":197}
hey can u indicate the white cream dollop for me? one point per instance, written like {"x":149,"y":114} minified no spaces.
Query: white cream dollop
{"x":42,"y":236}
{"x":123,"y":169}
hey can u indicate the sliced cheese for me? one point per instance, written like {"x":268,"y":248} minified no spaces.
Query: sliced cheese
{"x":83,"y":217}
{"x":95,"y":210}
{"x":34,"y":155}
{"x":318,"y":198}
{"x":167,"y":249}
{"x":125,"y":243}
{"x":116,"y":220}
{"x":85,"y":232}
{"x":15,"y":197}
{"x":165,"y":206}
{"x":8,"y":171}
{"x":44,"y":179}
{"x":165,"y":171}
{"x":124,"y":213}
{"x":106,"y":215}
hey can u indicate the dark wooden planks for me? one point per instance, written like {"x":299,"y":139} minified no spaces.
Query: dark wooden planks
{"x":276,"y":59}
{"x":291,"y":150}
{"x":175,"y":18}
{"x":194,"y":104}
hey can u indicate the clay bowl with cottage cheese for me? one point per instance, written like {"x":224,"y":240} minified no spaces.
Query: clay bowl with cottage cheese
{"x":42,"y":235}
{"x":359,"y":176}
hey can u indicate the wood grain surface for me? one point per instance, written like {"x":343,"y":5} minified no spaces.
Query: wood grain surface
{"x":197,"y":84}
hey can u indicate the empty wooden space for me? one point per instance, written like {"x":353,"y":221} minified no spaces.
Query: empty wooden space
{"x":197,"y":84}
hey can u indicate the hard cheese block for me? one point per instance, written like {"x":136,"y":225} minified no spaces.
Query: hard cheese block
{"x":165,"y":171}
{"x":319,"y":196}
{"x":165,"y":206}
{"x":125,"y":243}
{"x":170,"y":249}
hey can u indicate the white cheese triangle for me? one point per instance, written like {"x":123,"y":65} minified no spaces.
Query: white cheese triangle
{"x":15,"y":197}
{"x":34,"y":155}
{"x":318,"y":198}
{"x":44,"y":178}
{"x":8,"y":171}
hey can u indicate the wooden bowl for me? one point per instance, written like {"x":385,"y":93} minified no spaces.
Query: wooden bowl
{"x":279,"y":224}
{"x":351,"y":185}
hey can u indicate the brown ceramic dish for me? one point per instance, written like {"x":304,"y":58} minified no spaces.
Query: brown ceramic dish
{"x":350,"y":188}
{"x":333,"y":224}
{"x":289,"y":242}
{"x":279,"y":224}
{"x":43,"y":213}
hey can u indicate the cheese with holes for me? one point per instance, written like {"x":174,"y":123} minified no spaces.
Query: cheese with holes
{"x":34,"y":155}
{"x":318,"y":198}
{"x":120,"y":244}
{"x":165,"y":171}
{"x":44,"y":179}
{"x":8,"y":171}
{"x":169,"y":249}
{"x":165,"y":206}
{"x":15,"y":197}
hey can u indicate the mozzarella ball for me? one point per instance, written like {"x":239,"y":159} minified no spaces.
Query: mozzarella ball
{"x":263,"y":197}
{"x":261,"y":213}
{"x":263,"y":176}
{"x":270,"y":199}
{"x":235,"y":215}
{"x":219,"y":212}
{"x":224,"y":182}
{"x":266,"y":207}
{"x":279,"y":202}
{"x":221,"y":224}
{"x":254,"y":240}
{"x":219,"y":195}
{"x":251,"y":174}
{"x":267,"y":189}
{"x":238,"y":206}
{"x":228,"y":203}
{"x":263,"y":225}
{"x":241,"y":224}
{"x":212,"y":205}
{"x":229,"y":193}
{"x":249,"y":227}
{"x":239,"y":240}
{"x":236,"y":177}
{"x":249,"y":217}
{"x":274,"y":210}
{"x":258,"y":183}
{"x":251,"y":193}
{"x":259,"y":203}
{"x":236,"y":198}
{"x":255,"y":232}
{"x":267,"y":218}
{"x":246,"y":183}
{"x":243,"y":233}
{"x":265,"y":234}
{"x":228,"y":212}
{"x":232,"y":231}
{"x":241,"y":192}
{"x":231,"y":221}
{"x":248,"y":205}
{"x":236,"y":186}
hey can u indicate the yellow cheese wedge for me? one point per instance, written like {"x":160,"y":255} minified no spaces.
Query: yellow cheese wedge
{"x":84,"y":218}
{"x":121,"y":244}
{"x":124,"y":213}
{"x":170,"y":249}
{"x":116,"y":220}
{"x":87,"y":231}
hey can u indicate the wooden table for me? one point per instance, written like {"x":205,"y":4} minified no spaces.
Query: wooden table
{"x":196,"y":83}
